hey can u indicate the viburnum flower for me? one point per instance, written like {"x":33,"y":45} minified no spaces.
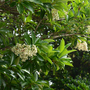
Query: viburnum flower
{"x":55,"y":14}
{"x":24,"y":51}
{"x":88,"y":29}
{"x":82,"y":46}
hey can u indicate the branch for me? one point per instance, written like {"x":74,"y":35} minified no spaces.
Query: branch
{"x":65,"y":35}
{"x":5,"y":48}
{"x":38,"y":25}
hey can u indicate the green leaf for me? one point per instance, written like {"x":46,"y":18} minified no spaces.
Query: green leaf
{"x":46,"y":1}
{"x":39,"y":57}
{"x":49,"y":40}
{"x":28,"y":6}
{"x":36,"y":76}
{"x":13,"y":76}
{"x":2,"y":70}
{"x":48,"y":59}
{"x":2,"y":62}
{"x":57,"y":66}
{"x":36,"y":1}
{"x":16,"y":62}
{"x":27,"y":38}
{"x":2,"y":24}
{"x":26,"y":71}
{"x":4,"y":30}
{"x":12,"y":58}
{"x":37,"y":40}
{"x":29,"y":18}
{"x":42,"y":13}
{"x":4,"y":83}
{"x":67,"y":45}
{"x":46,"y":73}
{"x":67,"y":61}
{"x":70,"y":51}
{"x":45,"y":48}
{"x":49,"y":14}
{"x":51,"y":52}
{"x":20,"y":8}
{"x":64,"y":52}
{"x":62,"y":46}
{"x":22,"y":78}
{"x":57,"y":1}
{"x":54,"y":69}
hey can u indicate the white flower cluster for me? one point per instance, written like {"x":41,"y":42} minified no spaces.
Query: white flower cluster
{"x":82,"y":46}
{"x":55,"y":14}
{"x":1,"y":56}
{"x":24,"y":51}
{"x":88,"y":29}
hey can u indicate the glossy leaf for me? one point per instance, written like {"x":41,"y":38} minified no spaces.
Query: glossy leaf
{"x":64,"y":52}
{"x":36,"y":76}
{"x":62,"y":45}
{"x":46,"y":1}
{"x":20,"y":8}
{"x":12,"y":58}
{"x":48,"y":59}
{"x":67,"y":45}
{"x":27,"y":38}
{"x":49,"y":40}
{"x":4,"y":30}
{"x":28,"y":19}
{"x":40,"y":58}
{"x":26,"y":71}
{"x":28,"y":6}
{"x":36,"y":1}
{"x":16,"y":61}
{"x":22,"y":78}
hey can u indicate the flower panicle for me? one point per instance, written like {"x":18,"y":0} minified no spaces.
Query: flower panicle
{"x":24,"y":51}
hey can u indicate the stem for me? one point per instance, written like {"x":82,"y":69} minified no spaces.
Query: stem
{"x":38,"y":25}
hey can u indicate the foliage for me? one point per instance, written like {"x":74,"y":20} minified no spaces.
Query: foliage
{"x":62,"y":80}
{"x":81,"y":63}
{"x":18,"y":26}
{"x":19,"y":72}
{"x":79,"y":83}
{"x":29,"y":23}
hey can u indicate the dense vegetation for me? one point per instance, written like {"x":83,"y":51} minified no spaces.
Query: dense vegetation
{"x":44,"y":44}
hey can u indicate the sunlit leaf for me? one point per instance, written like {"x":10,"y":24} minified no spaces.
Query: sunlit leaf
{"x":26,"y":71}
{"x":28,"y":6}
{"x":22,"y":78}
{"x":36,"y":1}
{"x":49,"y":40}
{"x":62,"y":45}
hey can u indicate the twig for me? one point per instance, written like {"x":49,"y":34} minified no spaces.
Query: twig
{"x":38,"y":25}
{"x":65,"y":35}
